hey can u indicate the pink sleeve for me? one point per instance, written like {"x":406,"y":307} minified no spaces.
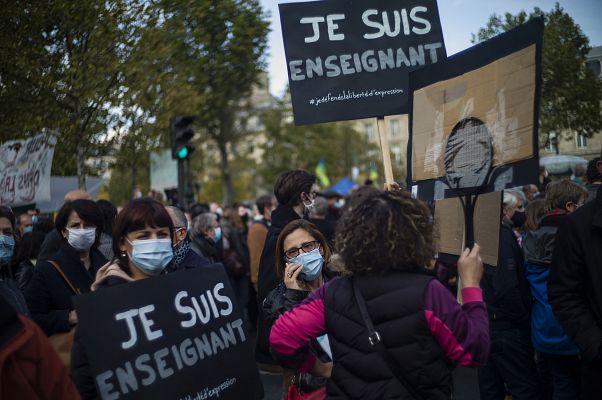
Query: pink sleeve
{"x":294,"y":329}
{"x":462,"y":331}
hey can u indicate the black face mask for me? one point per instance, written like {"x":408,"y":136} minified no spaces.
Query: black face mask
{"x":519,"y":218}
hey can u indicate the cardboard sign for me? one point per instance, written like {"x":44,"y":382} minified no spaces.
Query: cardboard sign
{"x":497,"y":82}
{"x":449,"y":219}
{"x":177,"y":336}
{"x":351,"y":59}
{"x":25,"y":170}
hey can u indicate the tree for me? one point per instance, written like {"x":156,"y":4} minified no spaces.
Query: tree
{"x":289,"y":146}
{"x":63,"y":65}
{"x":219,"y":49}
{"x":571,"y":94}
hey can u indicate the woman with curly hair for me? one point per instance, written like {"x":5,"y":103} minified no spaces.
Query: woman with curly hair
{"x":394,"y":330}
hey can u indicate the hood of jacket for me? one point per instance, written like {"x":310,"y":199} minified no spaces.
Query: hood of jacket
{"x":538,"y":245}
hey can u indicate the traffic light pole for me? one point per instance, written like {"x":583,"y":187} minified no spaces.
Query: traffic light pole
{"x":181,"y":183}
{"x":185,"y":194}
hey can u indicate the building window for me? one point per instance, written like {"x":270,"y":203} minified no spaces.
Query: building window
{"x":369,"y":129}
{"x":395,"y":128}
{"x":581,"y":141}
{"x":396,"y":150}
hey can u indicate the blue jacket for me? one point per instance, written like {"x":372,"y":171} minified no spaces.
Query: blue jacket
{"x":546,"y":332}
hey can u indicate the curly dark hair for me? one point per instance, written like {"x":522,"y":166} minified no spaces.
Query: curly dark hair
{"x":385,"y":231}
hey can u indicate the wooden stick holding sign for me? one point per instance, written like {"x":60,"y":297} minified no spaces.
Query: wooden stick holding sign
{"x":384,"y":146}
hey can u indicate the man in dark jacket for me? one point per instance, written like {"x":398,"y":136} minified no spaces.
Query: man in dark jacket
{"x":575,"y":289}
{"x":184,"y":257}
{"x":294,"y":193}
{"x":506,"y":292}
{"x":594,"y":178}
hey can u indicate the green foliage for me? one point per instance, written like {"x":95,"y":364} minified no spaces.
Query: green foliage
{"x":289,"y":146}
{"x":108,"y":76}
{"x":216,"y":52}
{"x":62,"y":66}
{"x":571,"y":94}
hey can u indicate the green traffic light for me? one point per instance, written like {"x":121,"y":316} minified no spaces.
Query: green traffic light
{"x":183,"y":153}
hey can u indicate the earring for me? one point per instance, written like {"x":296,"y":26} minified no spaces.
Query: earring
{"x":123,"y":254}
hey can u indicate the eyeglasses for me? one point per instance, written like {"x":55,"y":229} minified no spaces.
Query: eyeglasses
{"x":306,"y":247}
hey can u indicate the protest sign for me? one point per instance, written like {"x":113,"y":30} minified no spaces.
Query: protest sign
{"x":351,"y":59}
{"x":449,"y":220}
{"x":25,"y":170}
{"x":495,"y":85}
{"x":177,"y":336}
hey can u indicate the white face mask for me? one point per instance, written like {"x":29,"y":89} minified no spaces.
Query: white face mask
{"x":81,"y":239}
{"x":309,"y":203}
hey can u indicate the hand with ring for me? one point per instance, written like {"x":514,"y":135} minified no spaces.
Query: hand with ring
{"x":291,"y":276}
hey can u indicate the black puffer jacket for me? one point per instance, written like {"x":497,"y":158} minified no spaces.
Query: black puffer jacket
{"x":395,"y":304}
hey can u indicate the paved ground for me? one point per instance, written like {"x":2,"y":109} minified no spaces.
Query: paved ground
{"x":465,"y":384}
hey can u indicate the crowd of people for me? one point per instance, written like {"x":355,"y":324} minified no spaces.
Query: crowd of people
{"x":346,"y":295}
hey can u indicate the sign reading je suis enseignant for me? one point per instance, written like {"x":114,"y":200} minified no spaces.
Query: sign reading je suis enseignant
{"x":176,"y":336}
{"x":351,"y":59}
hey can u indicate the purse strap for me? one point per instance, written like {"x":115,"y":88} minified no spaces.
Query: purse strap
{"x":62,"y":274}
{"x":375,"y":341}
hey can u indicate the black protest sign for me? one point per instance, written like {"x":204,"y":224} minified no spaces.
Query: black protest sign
{"x":178,"y":336}
{"x":351,"y":59}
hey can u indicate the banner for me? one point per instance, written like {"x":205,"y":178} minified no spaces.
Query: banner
{"x":163,"y":170}
{"x":351,"y":59}
{"x":496,"y":83}
{"x":178,"y":336}
{"x":25,"y":170}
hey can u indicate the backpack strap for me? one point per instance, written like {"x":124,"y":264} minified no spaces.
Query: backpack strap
{"x":376,"y":341}
{"x":62,"y":274}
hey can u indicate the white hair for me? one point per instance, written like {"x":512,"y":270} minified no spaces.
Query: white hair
{"x":510,"y":199}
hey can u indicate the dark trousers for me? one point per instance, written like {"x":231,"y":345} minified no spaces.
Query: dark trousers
{"x":560,"y":376}
{"x":591,"y":379}
{"x":511,"y":364}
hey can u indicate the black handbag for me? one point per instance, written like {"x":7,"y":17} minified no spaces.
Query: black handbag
{"x":376,"y":341}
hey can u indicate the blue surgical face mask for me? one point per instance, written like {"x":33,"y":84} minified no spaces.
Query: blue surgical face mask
{"x":27,"y":229}
{"x":218,"y":234}
{"x":312,"y":264}
{"x":7,"y":245}
{"x":151,"y":255}
{"x":34,"y":219}
{"x":81,"y":239}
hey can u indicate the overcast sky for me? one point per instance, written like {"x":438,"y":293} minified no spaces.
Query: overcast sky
{"x":459,"y":18}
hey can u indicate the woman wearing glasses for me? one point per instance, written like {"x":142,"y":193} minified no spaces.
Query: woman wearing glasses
{"x":301,"y":256}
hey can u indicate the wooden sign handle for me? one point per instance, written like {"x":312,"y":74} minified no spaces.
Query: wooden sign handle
{"x":384,"y":146}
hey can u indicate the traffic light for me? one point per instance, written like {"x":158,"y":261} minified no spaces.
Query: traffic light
{"x":181,"y":134}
